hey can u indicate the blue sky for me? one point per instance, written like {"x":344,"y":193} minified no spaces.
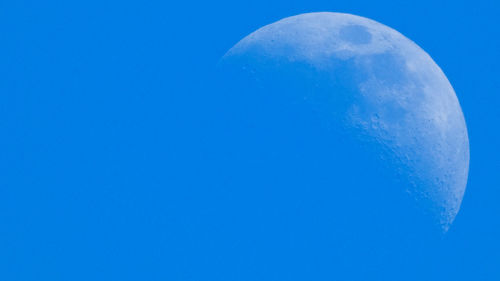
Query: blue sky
{"x":100,"y":148}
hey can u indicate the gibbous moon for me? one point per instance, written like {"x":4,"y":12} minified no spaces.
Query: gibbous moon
{"x":371,"y":83}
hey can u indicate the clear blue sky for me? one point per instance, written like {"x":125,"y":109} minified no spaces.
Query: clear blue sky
{"x":99,"y":131}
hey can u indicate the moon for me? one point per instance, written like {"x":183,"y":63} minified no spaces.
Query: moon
{"x":370,"y":84}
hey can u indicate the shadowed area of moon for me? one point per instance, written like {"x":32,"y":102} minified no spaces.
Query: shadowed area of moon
{"x":337,"y":145}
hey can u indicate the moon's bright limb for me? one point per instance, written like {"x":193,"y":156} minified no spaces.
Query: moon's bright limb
{"x":391,"y":92}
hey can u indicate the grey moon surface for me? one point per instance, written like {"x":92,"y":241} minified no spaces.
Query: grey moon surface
{"x":396,"y":95}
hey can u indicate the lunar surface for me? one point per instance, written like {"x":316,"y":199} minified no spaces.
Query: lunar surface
{"x":372,"y":84}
